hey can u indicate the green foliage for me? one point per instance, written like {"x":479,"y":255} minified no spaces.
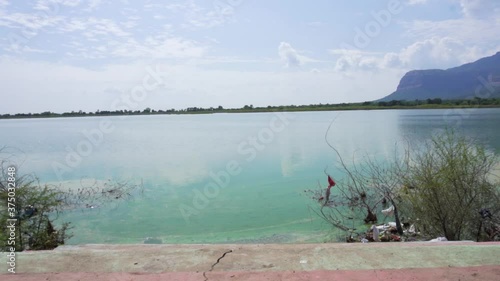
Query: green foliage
{"x":441,"y":185}
{"x":36,"y":207}
{"x":447,"y":183}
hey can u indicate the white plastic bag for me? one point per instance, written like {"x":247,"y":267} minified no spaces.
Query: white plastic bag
{"x":389,"y":211}
{"x":439,"y":239}
{"x":375,"y":233}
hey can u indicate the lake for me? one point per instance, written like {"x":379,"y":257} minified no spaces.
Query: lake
{"x":218,"y":178}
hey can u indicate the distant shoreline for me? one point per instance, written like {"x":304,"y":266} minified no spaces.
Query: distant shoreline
{"x":428,"y":104}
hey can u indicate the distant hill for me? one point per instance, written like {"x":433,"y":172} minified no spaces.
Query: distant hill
{"x":459,"y":82}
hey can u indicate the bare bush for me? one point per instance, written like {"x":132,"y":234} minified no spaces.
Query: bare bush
{"x":37,"y":206}
{"x":444,"y":184}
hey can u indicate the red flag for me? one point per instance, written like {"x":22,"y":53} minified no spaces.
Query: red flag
{"x":331,"y":182}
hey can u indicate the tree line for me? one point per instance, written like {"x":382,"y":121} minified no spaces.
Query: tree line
{"x":393,"y":104}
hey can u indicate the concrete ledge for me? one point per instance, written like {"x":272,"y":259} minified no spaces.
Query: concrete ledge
{"x":274,"y":261}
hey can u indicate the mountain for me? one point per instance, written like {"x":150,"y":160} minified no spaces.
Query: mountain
{"x":477,"y":79}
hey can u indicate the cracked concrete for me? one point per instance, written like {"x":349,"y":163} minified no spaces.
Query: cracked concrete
{"x":216,"y":263}
{"x":434,"y":261}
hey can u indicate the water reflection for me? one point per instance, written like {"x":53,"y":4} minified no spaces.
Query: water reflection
{"x":175,"y":155}
{"x":481,"y":124}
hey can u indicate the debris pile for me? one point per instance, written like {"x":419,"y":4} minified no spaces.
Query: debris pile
{"x":383,"y":233}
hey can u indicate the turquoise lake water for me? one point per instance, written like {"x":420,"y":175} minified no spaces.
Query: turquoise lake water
{"x":219,"y":178}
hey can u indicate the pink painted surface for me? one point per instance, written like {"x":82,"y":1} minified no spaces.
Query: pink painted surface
{"x":489,"y":273}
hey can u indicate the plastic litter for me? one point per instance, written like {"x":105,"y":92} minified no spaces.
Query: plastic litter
{"x":389,"y":211}
{"x":391,"y":223}
{"x":375,"y":233}
{"x":396,"y":238}
{"x":412,"y":229}
{"x":439,"y":239}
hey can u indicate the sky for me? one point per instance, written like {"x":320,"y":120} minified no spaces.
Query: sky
{"x":71,"y":55}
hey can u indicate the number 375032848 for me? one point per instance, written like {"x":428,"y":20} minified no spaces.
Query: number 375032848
{"x":11,"y":189}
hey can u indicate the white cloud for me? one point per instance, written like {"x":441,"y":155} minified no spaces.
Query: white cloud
{"x":436,"y":44}
{"x":480,"y":8}
{"x":152,"y":47}
{"x":93,"y":4}
{"x":74,"y":25}
{"x":449,"y":42}
{"x":473,"y":30}
{"x":430,"y":53}
{"x":391,"y":60}
{"x":207,"y":20}
{"x":106,"y":38}
{"x":289,"y":55}
{"x":197,"y":17}
{"x":35,"y":50}
{"x":354,"y":59}
{"x":187,"y":86}
{"x":356,"y":63}
{"x":436,"y":53}
{"x":98,"y":26}
{"x":53,"y":5}
{"x":159,"y":47}
{"x":346,"y":62}
{"x":29,"y":21}
{"x":44,"y":5}
{"x":127,"y":11}
{"x":170,"y":32}
{"x":478,"y":34}
{"x":416,"y":2}
{"x":70,"y":3}
{"x":350,"y":52}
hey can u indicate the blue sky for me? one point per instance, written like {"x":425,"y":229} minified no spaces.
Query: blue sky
{"x":64,"y":55}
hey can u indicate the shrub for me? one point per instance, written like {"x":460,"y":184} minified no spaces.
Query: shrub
{"x":37,"y":206}
{"x":447,"y":183}
{"x":444,"y":183}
